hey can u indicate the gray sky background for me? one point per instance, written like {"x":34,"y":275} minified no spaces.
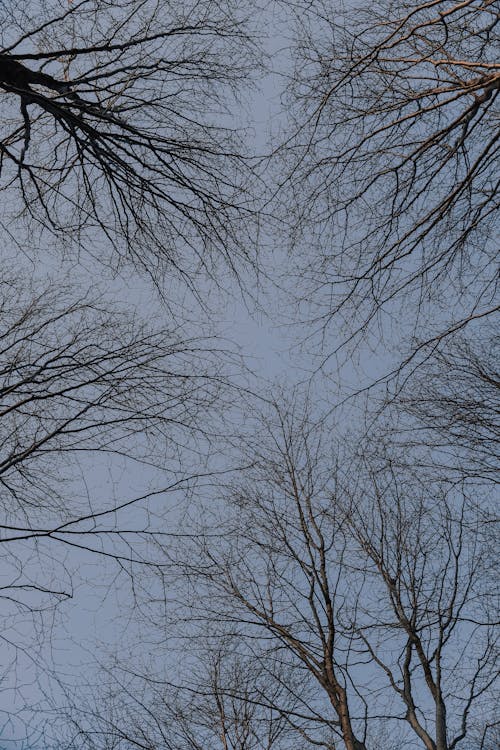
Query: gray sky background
{"x":278,"y":355}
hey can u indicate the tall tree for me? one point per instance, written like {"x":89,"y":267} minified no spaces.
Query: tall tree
{"x":372,"y":585}
{"x":88,"y":395}
{"x":341,"y":599}
{"x":115,"y":130}
{"x":392,"y":161}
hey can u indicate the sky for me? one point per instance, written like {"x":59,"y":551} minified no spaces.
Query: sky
{"x":268,"y":352}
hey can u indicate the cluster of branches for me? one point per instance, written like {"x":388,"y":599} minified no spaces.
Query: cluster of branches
{"x":87,"y":392}
{"x":446,"y":416}
{"x":115,"y":123}
{"x":344,"y":596}
{"x":116,"y":137}
{"x":218,"y":708}
{"x":392,"y":161}
{"x":329,"y":600}
{"x":333,"y":593}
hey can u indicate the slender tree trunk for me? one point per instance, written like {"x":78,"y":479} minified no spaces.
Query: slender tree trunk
{"x":341,"y":708}
{"x":441,"y":740}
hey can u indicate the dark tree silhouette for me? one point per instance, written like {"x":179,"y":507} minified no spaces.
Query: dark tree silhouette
{"x":372,"y":585}
{"x":88,"y":395}
{"x":340,"y":599}
{"x":115,"y":129}
{"x":392,"y":161}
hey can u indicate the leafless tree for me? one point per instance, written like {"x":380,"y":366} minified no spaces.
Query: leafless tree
{"x":116,"y":131}
{"x":318,"y":593}
{"x":89,"y":397}
{"x":375,"y":588}
{"x":392,"y":161}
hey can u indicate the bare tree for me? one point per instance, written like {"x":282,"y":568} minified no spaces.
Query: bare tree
{"x":116,"y":138}
{"x":89,"y":398}
{"x":373,"y":587}
{"x":326,"y":595}
{"x":115,"y":129}
{"x":392,"y":161}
